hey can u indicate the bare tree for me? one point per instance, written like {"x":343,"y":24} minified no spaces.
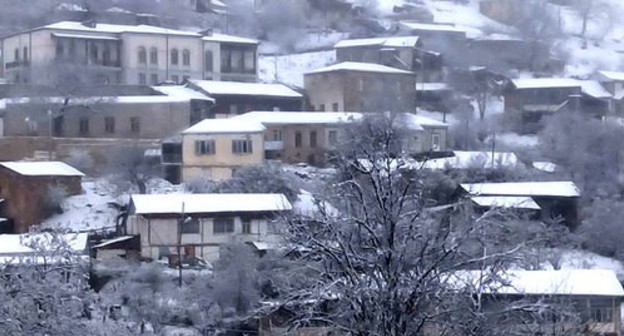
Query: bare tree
{"x":132,"y":168}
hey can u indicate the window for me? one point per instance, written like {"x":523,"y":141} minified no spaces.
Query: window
{"x":175,"y":78}
{"x":435,"y":141}
{"x":190,"y":225}
{"x":360,"y":84}
{"x":95,"y":54}
{"x":186,"y":57}
{"x":333,"y":137}
{"x":242,"y":146}
{"x":250,"y":61}
{"x":208,"y":61}
{"x":225,"y":60}
{"x":106,"y":55}
{"x":142,"y":55}
{"x":60,"y":50}
{"x":233,"y":109}
{"x":72,"y":49}
{"x":205,"y":147}
{"x":246,"y":226}
{"x":237,"y":60}
{"x":277,"y":135}
{"x":17,"y":56}
{"x":153,"y":55}
{"x":312,"y":138}
{"x":322,"y":107}
{"x":109,"y":125}
{"x":135,"y":124}
{"x":154,"y":78}
{"x":223,"y":225}
{"x":335,"y":107}
{"x":84,"y":126}
{"x":25,"y":54}
{"x":142,"y":78}
{"x":174,"y":56}
{"x":298,"y":139}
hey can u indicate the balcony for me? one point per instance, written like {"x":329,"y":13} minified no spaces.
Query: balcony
{"x":273,"y":145}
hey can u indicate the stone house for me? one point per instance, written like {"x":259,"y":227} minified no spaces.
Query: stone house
{"x":399,"y":52}
{"x":25,"y":191}
{"x":361,"y":87}
{"x":234,"y":98}
{"x":201,"y":223}
{"x":450,"y":41}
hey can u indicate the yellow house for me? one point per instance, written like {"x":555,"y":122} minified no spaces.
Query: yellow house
{"x":199,"y":223}
{"x":214,"y":148}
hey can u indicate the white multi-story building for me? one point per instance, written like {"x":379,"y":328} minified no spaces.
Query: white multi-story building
{"x":123,"y":54}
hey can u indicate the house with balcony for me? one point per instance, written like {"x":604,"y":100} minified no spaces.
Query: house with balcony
{"x":104,"y":53}
{"x":184,"y":226}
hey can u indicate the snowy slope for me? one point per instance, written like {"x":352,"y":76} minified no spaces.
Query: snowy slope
{"x":289,"y":69}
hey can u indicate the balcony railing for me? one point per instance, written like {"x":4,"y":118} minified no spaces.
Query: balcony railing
{"x":273,"y":145}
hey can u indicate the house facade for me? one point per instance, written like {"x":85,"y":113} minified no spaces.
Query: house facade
{"x":200,"y":223}
{"x":110,"y":53}
{"x":214,"y":148}
{"x":25,"y":191}
{"x":360,"y":87}
{"x":399,"y":52}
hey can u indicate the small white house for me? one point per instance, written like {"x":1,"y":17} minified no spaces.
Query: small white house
{"x":201,"y":223}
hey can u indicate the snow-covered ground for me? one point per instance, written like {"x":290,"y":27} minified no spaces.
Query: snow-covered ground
{"x":289,"y":69}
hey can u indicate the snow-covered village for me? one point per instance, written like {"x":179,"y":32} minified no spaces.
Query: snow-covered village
{"x":312,"y":167}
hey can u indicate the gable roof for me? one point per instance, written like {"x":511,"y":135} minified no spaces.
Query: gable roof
{"x":41,"y":168}
{"x":117,"y":29}
{"x":542,"y":83}
{"x":224,"y":126}
{"x":15,"y":248}
{"x":361,"y":67}
{"x":580,"y":282}
{"x":431,"y":27}
{"x":208,"y":203}
{"x":611,"y":75}
{"x":286,"y":118}
{"x":544,"y":189}
{"x":245,"y":89}
{"x":594,"y":89}
{"x":182,"y":92}
{"x":387,"y":42}
{"x":217,"y":37}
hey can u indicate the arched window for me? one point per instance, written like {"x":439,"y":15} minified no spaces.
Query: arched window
{"x":208,"y":61}
{"x":153,"y":55}
{"x":186,"y":57}
{"x":142,"y":55}
{"x":174,"y":56}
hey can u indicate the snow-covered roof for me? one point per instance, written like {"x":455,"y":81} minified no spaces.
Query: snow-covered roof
{"x":431,"y":27}
{"x":426,"y":121}
{"x":41,"y":168}
{"x":150,"y":99}
{"x":86,"y":37}
{"x":432,"y":86}
{"x":216,"y":37}
{"x":308,"y":205}
{"x":387,"y":42}
{"x":473,"y":160}
{"x":544,"y":189}
{"x":545,"y":166}
{"x":208,"y":203}
{"x":245,"y":89}
{"x":542,"y":83}
{"x":507,"y":202}
{"x":286,"y":118}
{"x":611,"y":75}
{"x":19,"y":247}
{"x":181,"y":91}
{"x":222,"y":126}
{"x":360,"y":66}
{"x":117,"y":29}
{"x":594,"y":89}
{"x":109,"y":242}
{"x":543,"y":282}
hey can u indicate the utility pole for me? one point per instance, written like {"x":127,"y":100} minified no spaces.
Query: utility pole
{"x":180,"y":223}
{"x":50,"y":138}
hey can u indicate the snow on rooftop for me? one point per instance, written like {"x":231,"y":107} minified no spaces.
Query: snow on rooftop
{"x":432,"y":86}
{"x":289,"y":69}
{"x":545,"y":189}
{"x":245,"y":89}
{"x":545,"y":166}
{"x":594,"y":89}
{"x":217,"y":37}
{"x":151,"y":99}
{"x":431,"y":27}
{"x":539,"y":83}
{"x":285,"y":118}
{"x":473,"y":160}
{"x":208,"y":203}
{"x":118,"y":29}
{"x":611,"y":75}
{"x":508,"y":202}
{"x":388,"y":42}
{"x":182,"y":92}
{"x":427,"y":122}
{"x":223,"y":126}
{"x":308,"y":205}
{"x":359,"y":66}
{"x":13,"y":247}
{"x":543,"y":282}
{"x":109,"y":242}
{"x":41,"y":168}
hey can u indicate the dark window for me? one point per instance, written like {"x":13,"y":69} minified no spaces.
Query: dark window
{"x":142,"y":55}
{"x":333,"y":137}
{"x":237,"y":60}
{"x":208,"y":61}
{"x":84,"y":125}
{"x":142,"y":79}
{"x":246,"y":226}
{"x":312,"y":138}
{"x":190,"y":226}
{"x":17,"y":56}
{"x":322,"y":107}
{"x":154,"y":78}
{"x":25,"y":54}
{"x":225,"y":60}
{"x":277,"y":135}
{"x":153,"y":55}
{"x":223,"y":225}
{"x":298,"y":139}
{"x":135,"y":124}
{"x":242,"y":146}
{"x":109,"y":125}
{"x":186,"y":57}
{"x":106,"y":55}
{"x":60,"y":50}
{"x":335,"y":107}
{"x":174,"y":56}
{"x":250,"y":61}
{"x":94,"y":52}
{"x":205,"y":147}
